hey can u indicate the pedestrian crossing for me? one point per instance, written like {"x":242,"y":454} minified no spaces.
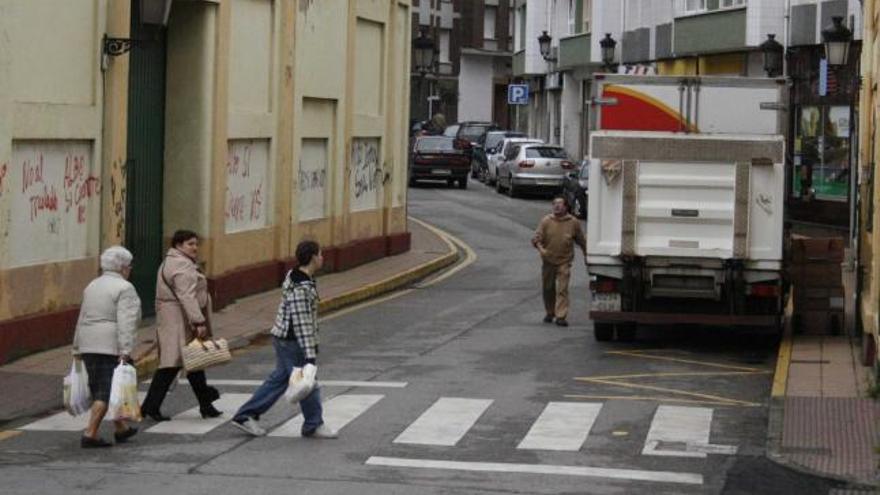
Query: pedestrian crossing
{"x":675,"y":431}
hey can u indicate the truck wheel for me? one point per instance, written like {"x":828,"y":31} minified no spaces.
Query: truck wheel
{"x":603,"y":331}
{"x":626,"y":332}
{"x":462,"y":183}
{"x":797,"y":327}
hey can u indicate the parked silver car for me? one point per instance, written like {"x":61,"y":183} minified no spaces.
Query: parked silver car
{"x":495,"y":159}
{"x":533,"y":166}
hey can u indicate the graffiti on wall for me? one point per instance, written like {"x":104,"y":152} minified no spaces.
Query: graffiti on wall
{"x":55,"y":192}
{"x":366,"y":174}
{"x":247,"y":166}
{"x":312,"y":179}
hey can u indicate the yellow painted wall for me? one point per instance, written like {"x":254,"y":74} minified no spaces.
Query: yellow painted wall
{"x":708,"y":65}
{"x":62,"y":149}
{"x":241,"y":74}
{"x":869,"y":153}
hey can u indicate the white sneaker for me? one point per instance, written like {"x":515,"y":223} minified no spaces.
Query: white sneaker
{"x":251,"y":427}
{"x":323,"y":431}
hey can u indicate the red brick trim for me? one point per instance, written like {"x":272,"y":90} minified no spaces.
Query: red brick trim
{"x":33,"y":333}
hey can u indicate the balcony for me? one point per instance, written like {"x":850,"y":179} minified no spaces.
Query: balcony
{"x":519,"y":63}
{"x":715,"y":31}
{"x":574,"y":51}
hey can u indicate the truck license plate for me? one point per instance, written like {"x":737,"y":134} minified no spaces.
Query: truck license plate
{"x":441,"y":171}
{"x":605,"y":302}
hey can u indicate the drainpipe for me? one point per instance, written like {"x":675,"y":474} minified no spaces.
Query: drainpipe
{"x":785,"y":38}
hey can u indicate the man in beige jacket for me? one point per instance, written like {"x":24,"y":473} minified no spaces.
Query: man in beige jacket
{"x":555,"y":238}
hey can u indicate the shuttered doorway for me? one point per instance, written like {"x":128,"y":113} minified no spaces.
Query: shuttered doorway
{"x":146,"y":147}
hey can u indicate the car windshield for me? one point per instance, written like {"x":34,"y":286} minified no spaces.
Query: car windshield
{"x":494,"y":139}
{"x":545,"y":152}
{"x":472,"y":132}
{"x":435,"y":144}
{"x":451,"y":131}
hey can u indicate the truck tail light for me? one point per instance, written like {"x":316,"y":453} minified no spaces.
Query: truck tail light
{"x":567,"y":165}
{"x":526,"y":164}
{"x":764,"y":290}
{"x":603,"y":286}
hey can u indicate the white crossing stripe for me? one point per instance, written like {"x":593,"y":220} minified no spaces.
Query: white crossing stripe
{"x":63,"y":421}
{"x":679,"y":431}
{"x":562,"y":426}
{"x":338,"y":412}
{"x":543,"y":469}
{"x":445,"y":422}
{"x":323,"y":383}
{"x":190,"y":422}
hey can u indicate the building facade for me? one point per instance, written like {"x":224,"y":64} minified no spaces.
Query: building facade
{"x":256,"y":123}
{"x":437,"y":90}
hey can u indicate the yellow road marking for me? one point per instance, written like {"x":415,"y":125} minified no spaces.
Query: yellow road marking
{"x":783,"y":360}
{"x":715,"y":398}
{"x":453,"y":242}
{"x":639,"y":354}
{"x":648,"y":398}
{"x":689,"y":373}
{"x":4,"y":435}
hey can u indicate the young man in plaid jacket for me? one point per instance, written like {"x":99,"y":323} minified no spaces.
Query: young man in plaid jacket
{"x":295,"y":339}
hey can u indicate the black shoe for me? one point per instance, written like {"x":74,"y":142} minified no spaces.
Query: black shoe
{"x":548,"y":319}
{"x":560,"y":322}
{"x":93,"y":443}
{"x":213,"y":394}
{"x":209,"y":411}
{"x":125,"y":435}
{"x":155,"y":416}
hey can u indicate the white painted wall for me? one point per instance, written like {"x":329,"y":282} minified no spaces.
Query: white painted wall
{"x":366,"y":177}
{"x":248,"y":185}
{"x":475,"y":88}
{"x":571,"y":115}
{"x":312,"y":181}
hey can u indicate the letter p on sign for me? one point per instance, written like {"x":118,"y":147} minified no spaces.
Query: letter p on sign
{"x":518,"y":94}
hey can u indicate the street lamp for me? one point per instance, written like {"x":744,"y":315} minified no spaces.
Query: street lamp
{"x":423,"y":48}
{"x":608,"y":45}
{"x":836,"y":38}
{"x":544,"y":45}
{"x":773,"y":52}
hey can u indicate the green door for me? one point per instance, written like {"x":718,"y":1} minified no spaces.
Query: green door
{"x":146,"y":147}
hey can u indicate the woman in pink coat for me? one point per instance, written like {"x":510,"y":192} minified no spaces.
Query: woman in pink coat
{"x":183,"y":309}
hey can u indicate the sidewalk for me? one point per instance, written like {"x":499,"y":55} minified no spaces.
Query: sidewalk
{"x":821,"y":419}
{"x":32,"y":385}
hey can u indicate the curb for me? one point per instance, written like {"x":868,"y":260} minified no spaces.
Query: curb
{"x":776,"y":420}
{"x":147,"y":365}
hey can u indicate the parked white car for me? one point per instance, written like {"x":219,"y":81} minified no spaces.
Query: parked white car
{"x":495,"y":160}
{"x":533,"y":166}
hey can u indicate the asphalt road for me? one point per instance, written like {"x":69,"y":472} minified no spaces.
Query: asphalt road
{"x":469,"y":393}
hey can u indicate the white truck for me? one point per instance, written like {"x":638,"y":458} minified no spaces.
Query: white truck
{"x":685,"y":216}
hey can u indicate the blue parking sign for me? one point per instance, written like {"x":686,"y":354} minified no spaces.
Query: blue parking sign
{"x":517,"y":94}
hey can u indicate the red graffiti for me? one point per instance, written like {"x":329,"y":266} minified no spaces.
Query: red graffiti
{"x":257,"y":202}
{"x":235,"y":208}
{"x":31,"y":173}
{"x":239,"y":164}
{"x":45,"y":201}
{"x":74,"y":170}
{"x":3,"y":171}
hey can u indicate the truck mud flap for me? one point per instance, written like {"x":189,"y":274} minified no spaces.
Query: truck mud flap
{"x":679,"y":319}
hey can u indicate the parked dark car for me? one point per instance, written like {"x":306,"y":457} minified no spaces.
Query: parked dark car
{"x":440,"y":158}
{"x":576,"y":187}
{"x":488,"y":145}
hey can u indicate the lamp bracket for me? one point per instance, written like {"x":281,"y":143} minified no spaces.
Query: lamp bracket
{"x":114,"y":47}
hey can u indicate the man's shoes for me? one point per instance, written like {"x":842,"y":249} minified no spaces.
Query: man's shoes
{"x":561,"y":322}
{"x":322,"y":431}
{"x":249,"y":426}
{"x":123,"y":436}
{"x":548,"y":319}
{"x":155,"y":416}
{"x":209,"y":411}
{"x":93,"y":443}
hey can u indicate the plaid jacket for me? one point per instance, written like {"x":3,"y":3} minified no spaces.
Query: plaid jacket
{"x":298,"y":312}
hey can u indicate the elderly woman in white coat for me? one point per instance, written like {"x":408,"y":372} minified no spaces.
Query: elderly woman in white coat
{"x":105,"y":335}
{"x":183,"y":309}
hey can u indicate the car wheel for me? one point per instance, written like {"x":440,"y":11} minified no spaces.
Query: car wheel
{"x":498,"y":187}
{"x":450,"y":182}
{"x":511,"y":189}
{"x":412,"y":183}
{"x":626,"y":332}
{"x":462,"y":183}
{"x":603,"y":331}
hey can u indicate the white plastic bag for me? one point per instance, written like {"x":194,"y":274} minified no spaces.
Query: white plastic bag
{"x":77,"y":398}
{"x":302,"y":382}
{"x":123,"y":395}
